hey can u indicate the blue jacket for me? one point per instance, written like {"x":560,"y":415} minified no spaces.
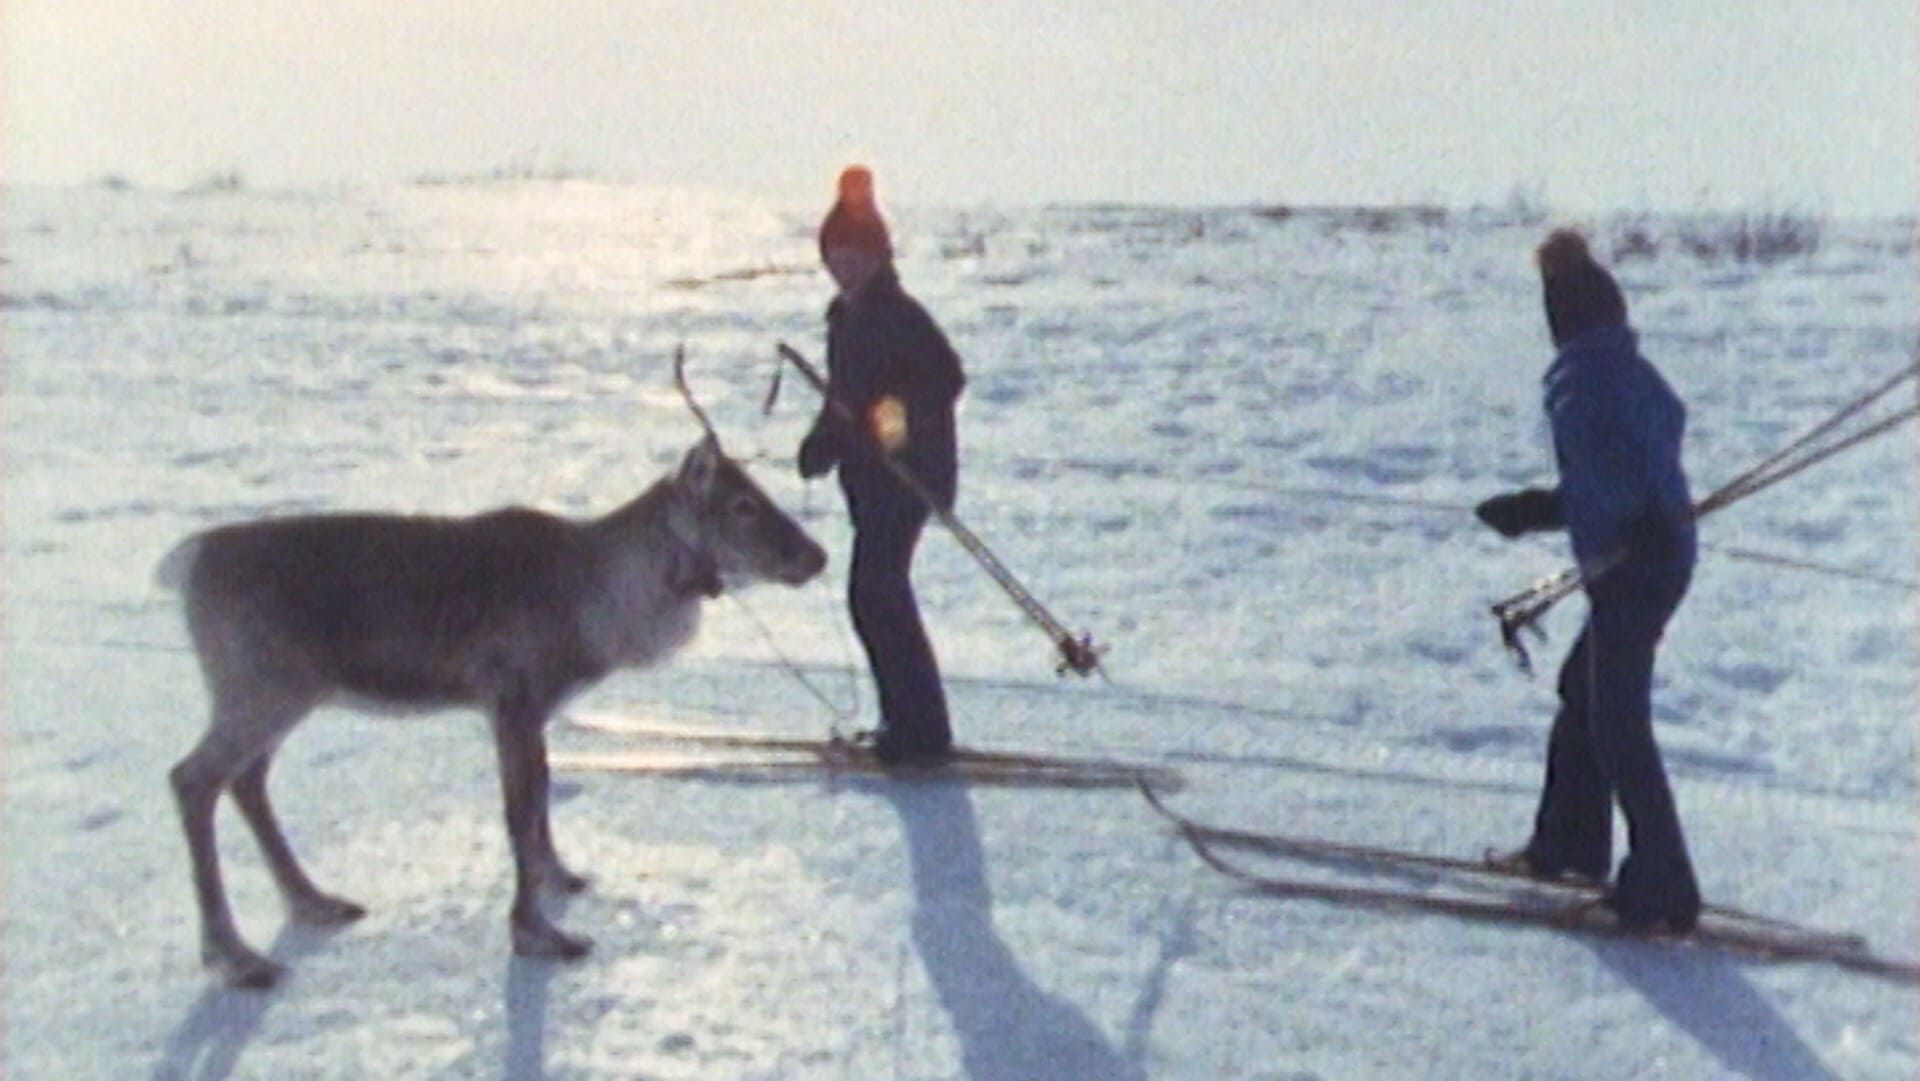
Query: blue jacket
{"x":1617,"y":428}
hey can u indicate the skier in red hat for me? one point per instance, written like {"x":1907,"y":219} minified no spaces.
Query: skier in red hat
{"x":890,"y":366}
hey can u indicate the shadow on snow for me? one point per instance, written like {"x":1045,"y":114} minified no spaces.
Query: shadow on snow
{"x":1009,"y":1029}
{"x":206,"y":1045}
{"x":1712,"y":1000}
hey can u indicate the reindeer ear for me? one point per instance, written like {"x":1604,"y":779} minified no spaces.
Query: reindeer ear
{"x":701,"y":465}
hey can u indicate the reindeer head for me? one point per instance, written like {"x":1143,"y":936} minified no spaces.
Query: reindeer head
{"x":719,"y":509}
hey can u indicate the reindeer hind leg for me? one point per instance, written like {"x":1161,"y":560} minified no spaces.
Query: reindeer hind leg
{"x":305,"y":901}
{"x":197,"y":782}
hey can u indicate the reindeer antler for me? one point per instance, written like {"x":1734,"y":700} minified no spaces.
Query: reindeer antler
{"x":686,"y":392}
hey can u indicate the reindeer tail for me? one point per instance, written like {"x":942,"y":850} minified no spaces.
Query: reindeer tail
{"x":177,"y":566}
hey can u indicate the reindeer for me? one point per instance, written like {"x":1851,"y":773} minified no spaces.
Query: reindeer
{"x":509,"y":612}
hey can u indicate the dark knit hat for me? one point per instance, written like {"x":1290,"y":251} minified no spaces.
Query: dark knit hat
{"x":1579,"y":293}
{"x":854,"y":221}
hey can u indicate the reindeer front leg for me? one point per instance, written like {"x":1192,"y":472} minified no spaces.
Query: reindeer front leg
{"x":553,"y":873}
{"x":546,"y":859}
{"x":521,"y":743}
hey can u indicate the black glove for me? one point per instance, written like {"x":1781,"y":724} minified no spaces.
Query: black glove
{"x":817,"y":454}
{"x":1521,"y":512}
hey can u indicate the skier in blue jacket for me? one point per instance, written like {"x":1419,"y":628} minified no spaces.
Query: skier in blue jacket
{"x":1623,"y":498}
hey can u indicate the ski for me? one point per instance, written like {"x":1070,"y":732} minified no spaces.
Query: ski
{"x":1540,"y":909}
{"x":1565,"y":905}
{"x":780,"y":749}
{"x":832,"y":761}
{"x":1318,"y":849}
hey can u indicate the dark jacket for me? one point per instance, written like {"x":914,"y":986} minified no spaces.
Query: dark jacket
{"x":1617,"y":428}
{"x":883,"y":343}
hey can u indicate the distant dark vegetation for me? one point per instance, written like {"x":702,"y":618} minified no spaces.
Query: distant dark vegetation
{"x":1366,"y":219}
{"x":514,"y":171}
{"x":1523,"y":207}
{"x":227,"y":182}
{"x":1751,"y":237}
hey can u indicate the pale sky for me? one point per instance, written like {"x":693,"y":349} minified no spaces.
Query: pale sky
{"x":1593,"y":104}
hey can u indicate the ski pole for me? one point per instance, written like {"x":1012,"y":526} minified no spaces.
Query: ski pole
{"x":1079,"y":654}
{"x":1522,"y":611}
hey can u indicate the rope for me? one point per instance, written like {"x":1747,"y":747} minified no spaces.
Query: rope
{"x":1751,"y":556}
{"x":836,"y":712}
{"x":1437,"y":506}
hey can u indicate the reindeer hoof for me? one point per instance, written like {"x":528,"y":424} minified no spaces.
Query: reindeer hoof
{"x":322,"y":910}
{"x":245,"y":970}
{"x":549,"y":942}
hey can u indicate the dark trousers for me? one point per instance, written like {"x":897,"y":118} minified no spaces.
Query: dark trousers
{"x":913,"y":705}
{"x":1602,"y":748}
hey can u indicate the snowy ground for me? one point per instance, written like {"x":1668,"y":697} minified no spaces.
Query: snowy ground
{"x":1164,"y":407}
